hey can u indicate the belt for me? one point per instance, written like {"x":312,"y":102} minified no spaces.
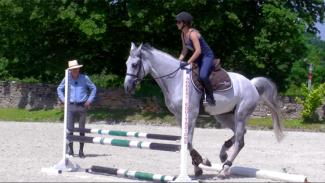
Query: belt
{"x":77,"y":103}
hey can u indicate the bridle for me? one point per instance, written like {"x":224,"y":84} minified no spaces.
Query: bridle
{"x":141,"y":68}
{"x":137,"y":76}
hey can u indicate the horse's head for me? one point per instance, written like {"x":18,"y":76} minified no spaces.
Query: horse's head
{"x":135,"y":69}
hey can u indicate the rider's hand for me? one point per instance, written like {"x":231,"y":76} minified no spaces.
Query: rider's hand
{"x":182,"y":64}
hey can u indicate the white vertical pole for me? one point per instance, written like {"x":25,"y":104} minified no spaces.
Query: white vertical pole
{"x":66,"y":108}
{"x":310,"y":75}
{"x":183,"y":176}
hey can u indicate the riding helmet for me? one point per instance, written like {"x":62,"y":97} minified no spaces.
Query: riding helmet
{"x":184,"y":17}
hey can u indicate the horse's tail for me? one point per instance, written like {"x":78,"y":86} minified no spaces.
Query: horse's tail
{"x":268,"y":92}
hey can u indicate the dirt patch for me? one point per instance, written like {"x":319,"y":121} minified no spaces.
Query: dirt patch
{"x":26,"y":148}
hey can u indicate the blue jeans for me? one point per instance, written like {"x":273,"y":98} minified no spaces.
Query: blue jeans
{"x":205,"y":63}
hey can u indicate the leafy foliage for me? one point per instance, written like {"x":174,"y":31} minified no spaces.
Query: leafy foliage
{"x":104,"y":80}
{"x":300,"y":68}
{"x":259,"y":37}
{"x":311,"y":101}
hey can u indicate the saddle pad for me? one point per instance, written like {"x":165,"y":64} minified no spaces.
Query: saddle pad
{"x":219,"y":78}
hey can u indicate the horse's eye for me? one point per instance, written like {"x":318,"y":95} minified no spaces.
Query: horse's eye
{"x":134,"y":65}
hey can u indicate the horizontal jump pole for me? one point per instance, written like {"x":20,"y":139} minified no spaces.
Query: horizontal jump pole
{"x":257,"y":173}
{"x":130,"y":174}
{"x":127,"y":134}
{"x":125,"y":143}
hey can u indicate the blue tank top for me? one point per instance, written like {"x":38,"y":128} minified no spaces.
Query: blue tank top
{"x":205,"y":49}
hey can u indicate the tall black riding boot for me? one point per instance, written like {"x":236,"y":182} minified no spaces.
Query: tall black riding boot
{"x":70,"y":149}
{"x":209,"y":93}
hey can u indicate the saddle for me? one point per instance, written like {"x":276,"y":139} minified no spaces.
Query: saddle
{"x":219,"y":78}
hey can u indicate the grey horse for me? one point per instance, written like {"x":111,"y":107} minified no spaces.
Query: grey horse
{"x":232,"y":108}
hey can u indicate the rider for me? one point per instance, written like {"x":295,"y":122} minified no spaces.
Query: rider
{"x":202,"y":54}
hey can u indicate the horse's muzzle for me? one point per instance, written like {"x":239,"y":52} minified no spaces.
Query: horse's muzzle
{"x":129,"y":86}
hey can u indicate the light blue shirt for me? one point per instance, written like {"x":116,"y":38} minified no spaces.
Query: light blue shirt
{"x":79,"y":89}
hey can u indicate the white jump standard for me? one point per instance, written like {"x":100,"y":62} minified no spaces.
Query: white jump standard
{"x":65,"y":165}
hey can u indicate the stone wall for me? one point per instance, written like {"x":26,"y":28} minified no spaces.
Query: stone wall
{"x":289,"y":108}
{"x":30,"y":96}
{"x":43,"y":96}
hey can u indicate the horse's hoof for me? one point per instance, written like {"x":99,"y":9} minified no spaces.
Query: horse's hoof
{"x":198,"y":171}
{"x":223,"y":157}
{"x":215,"y":178}
{"x":225,"y":172}
{"x":221,"y":176}
{"x":206,"y":162}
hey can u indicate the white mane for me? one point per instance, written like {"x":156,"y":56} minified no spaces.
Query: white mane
{"x":163,"y":55}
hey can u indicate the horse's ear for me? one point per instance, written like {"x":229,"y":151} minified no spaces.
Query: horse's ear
{"x":133,"y":46}
{"x":139,"y":48}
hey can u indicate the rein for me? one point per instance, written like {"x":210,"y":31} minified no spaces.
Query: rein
{"x":167,"y":75}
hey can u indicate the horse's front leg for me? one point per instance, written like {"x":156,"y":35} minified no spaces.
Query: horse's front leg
{"x":197,"y":160}
{"x":195,"y":155}
{"x":194,"y":112}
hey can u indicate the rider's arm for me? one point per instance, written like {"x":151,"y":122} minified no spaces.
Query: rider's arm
{"x":184,"y":50}
{"x":196,"y":43}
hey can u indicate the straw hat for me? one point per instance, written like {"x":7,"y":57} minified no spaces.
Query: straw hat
{"x":73,"y":64}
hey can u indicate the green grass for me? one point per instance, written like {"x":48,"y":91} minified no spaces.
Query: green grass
{"x":117,"y":116}
{"x":294,"y":124}
{"x":12,"y":114}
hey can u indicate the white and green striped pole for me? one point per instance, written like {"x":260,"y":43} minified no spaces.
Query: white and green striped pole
{"x":129,"y":173}
{"x":125,"y":143}
{"x":128,"y":134}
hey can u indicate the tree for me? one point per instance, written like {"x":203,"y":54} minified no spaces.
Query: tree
{"x":40,"y":36}
{"x":257,"y":37}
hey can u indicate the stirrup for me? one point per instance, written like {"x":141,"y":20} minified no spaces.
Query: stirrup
{"x":210,"y":100}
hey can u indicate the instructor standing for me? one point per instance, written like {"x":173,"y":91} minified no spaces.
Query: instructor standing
{"x":82,"y":94}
